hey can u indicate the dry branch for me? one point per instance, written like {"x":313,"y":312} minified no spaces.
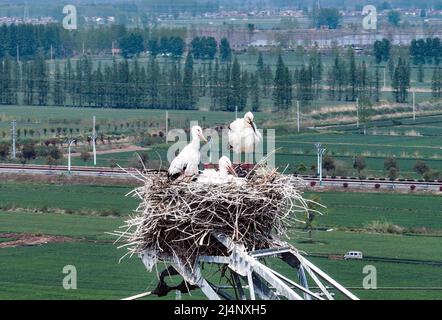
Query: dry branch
{"x":177,"y":218}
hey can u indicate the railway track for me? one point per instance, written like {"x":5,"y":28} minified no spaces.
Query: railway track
{"x":75,"y":170}
{"x":343,"y":182}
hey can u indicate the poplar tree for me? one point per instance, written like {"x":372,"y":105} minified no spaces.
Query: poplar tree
{"x":152,"y":83}
{"x":377,"y":85}
{"x":58,"y":93}
{"x":235,"y":87}
{"x":317,"y":69}
{"x":99,"y":87}
{"x":401,"y":81}
{"x":279,"y":84}
{"x":254,"y":92}
{"x":420,"y":73}
{"x":189,"y":101}
{"x":41,"y":75}
{"x":215,"y":89}
{"x":352,"y":81}
{"x":436,"y":83}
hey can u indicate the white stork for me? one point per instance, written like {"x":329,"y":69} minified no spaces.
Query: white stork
{"x":225,"y":174}
{"x":187,"y":161}
{"x":243,"y":134}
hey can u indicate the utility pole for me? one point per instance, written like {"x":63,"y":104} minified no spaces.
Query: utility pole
{"x":385,"y":78}
{"x":210,"y":149}
{"x":236,"y":112}
{"x":414,"y":106}
{"x":70,"y":142}
{"x":14,"y":137}
{"x":318,"y":148}
{"x":357,"y":112}
{"x":18,"y":54}
{"x":321,"y":153}
{"x":298,"y":115}
{"x":94,"y":137}
{"x":167,"y":124}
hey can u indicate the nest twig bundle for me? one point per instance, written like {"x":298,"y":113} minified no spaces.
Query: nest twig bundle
{"x":178,"y":218}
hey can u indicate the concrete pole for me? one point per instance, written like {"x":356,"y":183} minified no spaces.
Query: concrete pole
{"x":318,"y":148}
{"x":319,"y":164}
{"x":414,"y":106}
{"x":210,"y":151}
{"x":14,"y":137}
{"x":322,"y":151}
{"x":236,"y":112}
{"x":69,"y":155}
{"x":357,"y":112}
{"x":94,"y":137}
{"x":297,"y":115}
{"x":385,"y":78}
{"x":167,"y":124}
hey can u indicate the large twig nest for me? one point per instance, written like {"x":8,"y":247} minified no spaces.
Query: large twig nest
{"x":177,"y":218}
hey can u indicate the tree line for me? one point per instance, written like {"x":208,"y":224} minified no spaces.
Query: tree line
{"x":27,"y":40}
{"x":177,"y":83}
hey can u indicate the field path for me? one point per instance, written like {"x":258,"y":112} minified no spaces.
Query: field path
{"x":19,"y":240}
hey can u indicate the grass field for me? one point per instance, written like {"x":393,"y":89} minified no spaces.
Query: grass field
{"x":36,"y":272}
{"x":354,"y":209}
{"x":39,"y":117}
{"x":72,"y":198}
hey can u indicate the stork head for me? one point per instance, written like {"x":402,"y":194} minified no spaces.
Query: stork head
{"x":225,"y":166}
{"x":197,"y":133}
{"x":249,"y":120}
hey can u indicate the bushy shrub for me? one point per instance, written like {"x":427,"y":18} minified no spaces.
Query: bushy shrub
{"x":384,"y":227}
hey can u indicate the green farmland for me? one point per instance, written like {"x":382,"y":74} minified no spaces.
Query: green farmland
{"x":35,"y":272}
{"x":404,"y":139}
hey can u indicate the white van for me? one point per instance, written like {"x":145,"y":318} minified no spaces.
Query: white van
{"x":353,"y":255}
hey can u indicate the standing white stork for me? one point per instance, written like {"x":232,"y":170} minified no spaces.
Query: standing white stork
{"x":187,"y":161}
{"x":226,"y":173}
{"x":243,"y":134}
